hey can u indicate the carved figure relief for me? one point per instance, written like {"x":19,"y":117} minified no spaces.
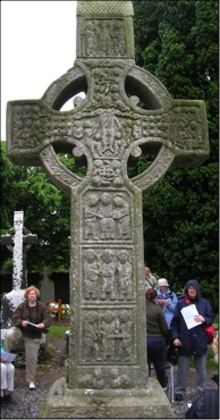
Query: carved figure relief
{"x":124,"y":276}
{"x":92,"y":273}
{"x":107,"y":139}
{"x":92,"y":336}
{"x":104,"y":38}
{"x":108,"y":337}
{"x":91,"y":217}
{"x":187,"y":129}
{"x":106,"y":216}
{"x":121,"y":215}
{"x":107,"y":275}
{"x":108,"y":289}
{"x":107,"y":222}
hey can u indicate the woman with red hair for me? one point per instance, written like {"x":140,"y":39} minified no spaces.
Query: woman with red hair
{"x":31,"y":317}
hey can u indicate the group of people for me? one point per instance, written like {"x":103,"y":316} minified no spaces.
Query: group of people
{"x":166,"y":325}
{"x":30,"y":320}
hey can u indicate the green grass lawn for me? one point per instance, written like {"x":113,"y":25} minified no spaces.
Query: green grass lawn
{"x":57,"y":331}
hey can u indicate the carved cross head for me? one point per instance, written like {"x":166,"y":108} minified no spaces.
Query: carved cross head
{"x":126,"y":111}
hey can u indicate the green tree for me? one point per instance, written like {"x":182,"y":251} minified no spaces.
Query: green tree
{"x":46,"y":213}
{"x":177,"y":41}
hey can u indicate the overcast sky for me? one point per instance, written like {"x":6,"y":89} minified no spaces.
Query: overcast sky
{"x":37,"y":46}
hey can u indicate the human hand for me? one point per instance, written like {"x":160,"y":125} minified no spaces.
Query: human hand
{"x":24,"y":323}
{"x":177,"y":342}
{"x":199,"y":318}
{"x":41,"y":325}
{"x":163,"y":302}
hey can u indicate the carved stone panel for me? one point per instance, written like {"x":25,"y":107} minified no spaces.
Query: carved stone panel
{"x":108,"y":216}
{"x":108,"y":336}
{"x":108,"y":274}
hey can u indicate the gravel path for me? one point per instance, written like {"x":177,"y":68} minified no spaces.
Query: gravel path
{"x":28,"y":403}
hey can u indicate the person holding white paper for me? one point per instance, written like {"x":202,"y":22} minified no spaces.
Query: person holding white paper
{"x":192,"y":314}
{"x":7,"y":379}
{"x":30,"y":320}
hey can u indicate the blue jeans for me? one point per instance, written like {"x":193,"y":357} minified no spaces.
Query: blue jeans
{"x":182,"y":373}
{"x":156,"y":355}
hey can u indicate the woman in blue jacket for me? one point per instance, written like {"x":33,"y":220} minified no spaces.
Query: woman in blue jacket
{"x":193,"y":341}
{"x":7,"y":379}
{"x":166,"y":299}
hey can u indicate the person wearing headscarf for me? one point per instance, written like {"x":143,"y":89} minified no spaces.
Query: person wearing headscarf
{"x":191,"y":341}
{"x":157,"y":336}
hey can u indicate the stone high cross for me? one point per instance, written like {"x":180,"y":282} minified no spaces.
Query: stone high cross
{"x":19,"y":239}
{"x":107,"y":373}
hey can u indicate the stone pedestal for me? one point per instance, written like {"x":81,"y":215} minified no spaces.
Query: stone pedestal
{"x":10,"y":301}
{"x":108,"y":404}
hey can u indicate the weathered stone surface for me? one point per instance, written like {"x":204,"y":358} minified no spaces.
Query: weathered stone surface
{"x":107,"y":371}
{"x":93,"y":404}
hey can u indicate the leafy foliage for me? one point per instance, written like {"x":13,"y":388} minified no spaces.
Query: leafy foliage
{"x":46,"y":213}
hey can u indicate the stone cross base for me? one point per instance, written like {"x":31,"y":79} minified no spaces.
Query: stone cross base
{"x":10,"y":301}
{"x":148,"y":403}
